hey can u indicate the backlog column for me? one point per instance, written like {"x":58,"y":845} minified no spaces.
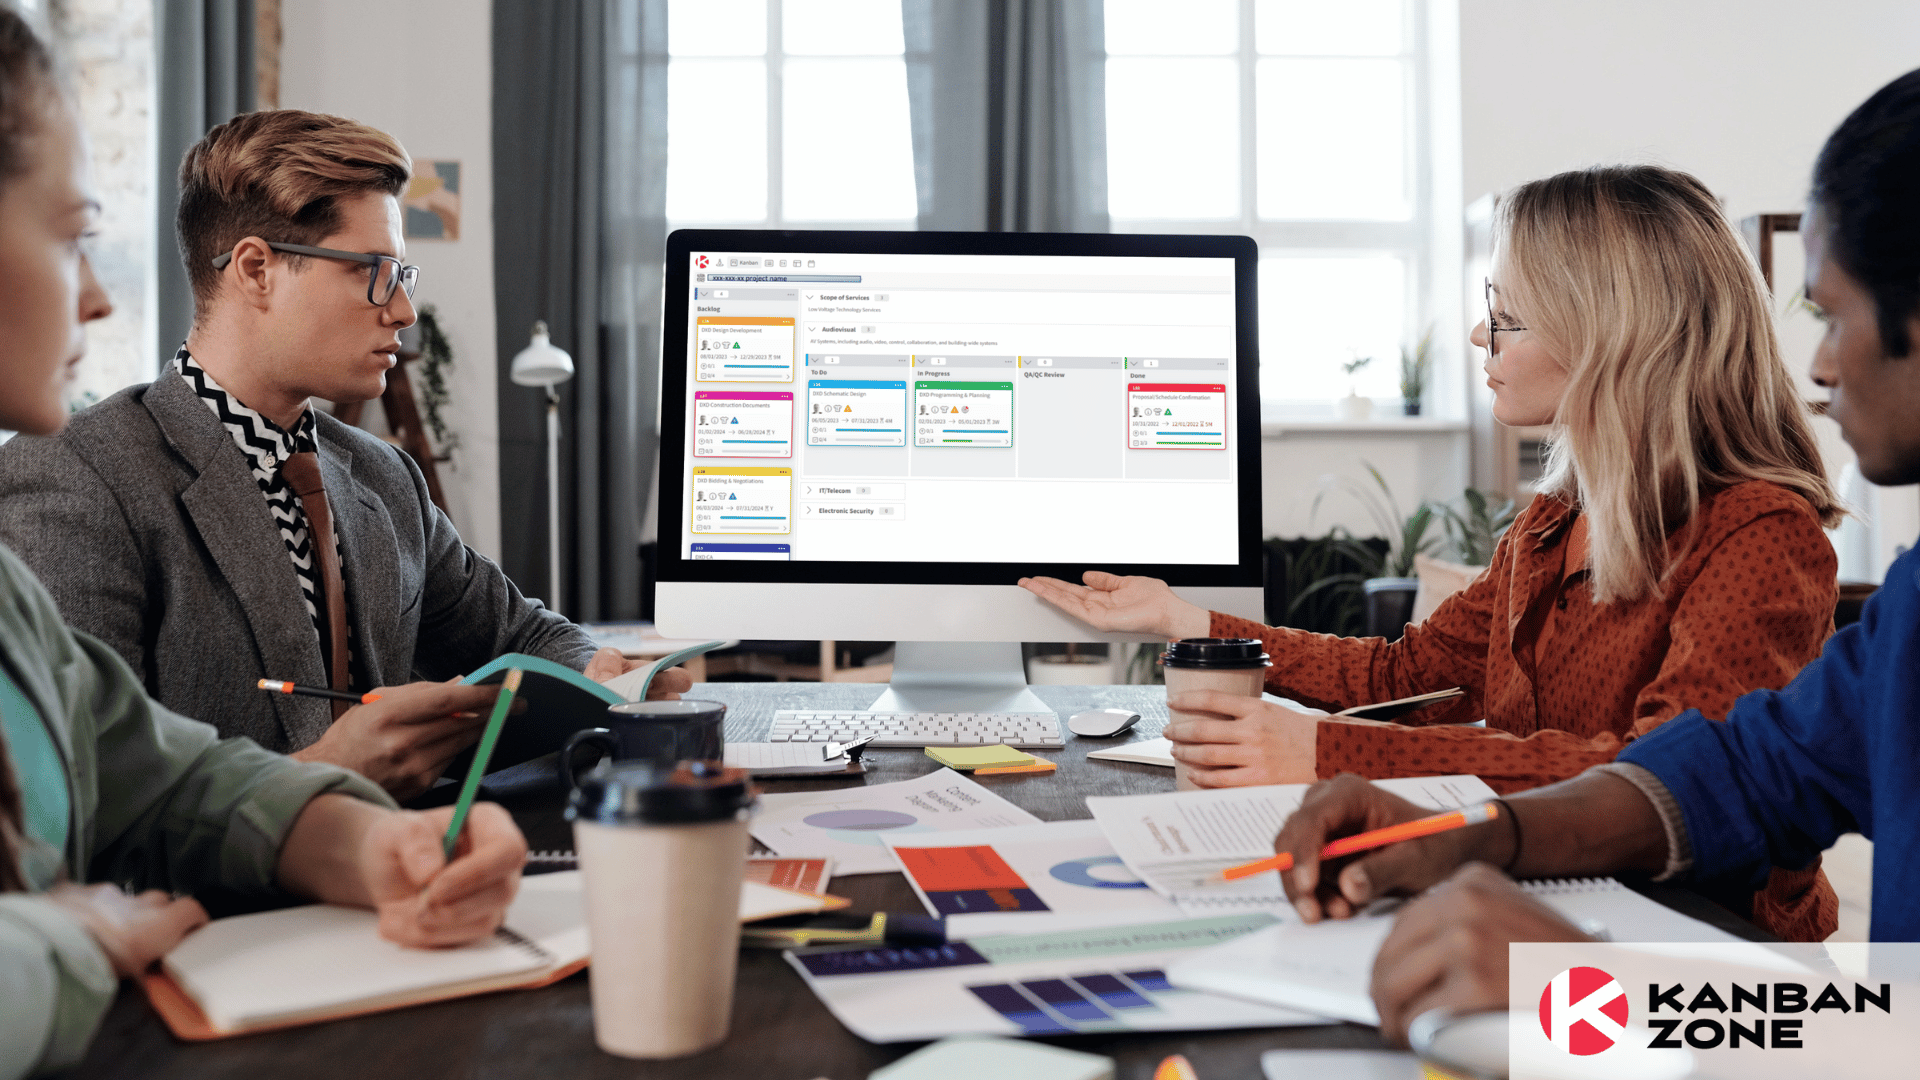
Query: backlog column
{"x":1176,"y":416}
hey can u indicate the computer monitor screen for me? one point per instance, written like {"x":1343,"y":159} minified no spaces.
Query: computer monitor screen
{"x":951,"y":410}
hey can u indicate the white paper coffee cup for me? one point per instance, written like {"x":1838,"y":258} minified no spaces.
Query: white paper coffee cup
{"x":1236,"y":666}
{"x":662,"y":856}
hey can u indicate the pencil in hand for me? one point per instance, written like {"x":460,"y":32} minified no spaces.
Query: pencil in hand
{"x":482,"y":753}
{"x":280,"y":687}
{"x":1392,"y":834}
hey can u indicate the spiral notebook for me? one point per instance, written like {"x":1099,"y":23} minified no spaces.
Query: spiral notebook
{"x":1325,"y":968}
{"x":302,"y":965}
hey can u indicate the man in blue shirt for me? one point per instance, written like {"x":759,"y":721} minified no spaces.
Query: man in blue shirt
{"x":1789,"y":771}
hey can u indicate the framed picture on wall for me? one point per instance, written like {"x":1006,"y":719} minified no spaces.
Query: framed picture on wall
{"x":432,"y":204}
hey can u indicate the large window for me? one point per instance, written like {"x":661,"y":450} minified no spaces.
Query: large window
{"x":788,"y":113}
{"x":1299,"y":123}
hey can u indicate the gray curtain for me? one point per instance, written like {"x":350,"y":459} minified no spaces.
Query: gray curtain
{"x":1009,"y":114}
{"x":579,"y":170}
{"x":203,"y":66}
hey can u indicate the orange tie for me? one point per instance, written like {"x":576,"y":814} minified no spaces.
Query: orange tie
{"x":302,"y":471}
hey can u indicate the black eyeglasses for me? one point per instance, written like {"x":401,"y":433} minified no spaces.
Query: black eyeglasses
{"x":1493,"y":324}
{"x":389,"y":274}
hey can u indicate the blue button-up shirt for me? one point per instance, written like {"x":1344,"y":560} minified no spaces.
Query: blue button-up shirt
{"x":1790,"y":771}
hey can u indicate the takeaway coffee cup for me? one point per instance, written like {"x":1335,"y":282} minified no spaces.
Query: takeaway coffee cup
{"x":662,"y":851}
{"x":663,"y":732}
{"x":1231,"y":665}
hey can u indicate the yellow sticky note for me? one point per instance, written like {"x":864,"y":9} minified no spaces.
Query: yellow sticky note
{"x":1040,"y":765}
{"x":978,"y":757}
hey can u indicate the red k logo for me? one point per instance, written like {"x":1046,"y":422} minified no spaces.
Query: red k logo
{"x":701,"y":262}
{"x":1583,"y":1010}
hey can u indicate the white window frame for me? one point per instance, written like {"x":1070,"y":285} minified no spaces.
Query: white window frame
{"x":775,"y":61}
{"x":1429,"y":240}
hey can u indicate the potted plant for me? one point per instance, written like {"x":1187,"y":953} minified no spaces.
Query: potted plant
{"x":1353,"y":407}
{"x":1476,"y":531}
{"x":1415,"y":363}
{"x":1390,"y":585}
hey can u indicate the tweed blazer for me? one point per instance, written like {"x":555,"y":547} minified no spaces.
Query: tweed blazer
{"x":144,"y":521}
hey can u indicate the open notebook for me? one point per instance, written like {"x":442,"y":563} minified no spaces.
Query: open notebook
{"x":1325,"y":968}
{"x":301,"y":965}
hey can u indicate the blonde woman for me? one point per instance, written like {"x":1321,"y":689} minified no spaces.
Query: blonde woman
{"x":1675,"y":558}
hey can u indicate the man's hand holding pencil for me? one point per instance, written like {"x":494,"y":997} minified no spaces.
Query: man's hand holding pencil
{"x":1348,"y":805}
{"x":404,"y":739}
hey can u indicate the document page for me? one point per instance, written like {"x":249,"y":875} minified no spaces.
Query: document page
{"x":1056,"y":982}
{"x":847,"y":824}
{"x":1178,"y":841}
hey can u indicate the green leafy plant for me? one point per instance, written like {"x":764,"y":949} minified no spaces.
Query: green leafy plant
{"x":1353,"y":366}
{"x":1475,"y":530}
{"x":1315,"y":583}
{"x":436,"y":356}
{"x":1406,"y":534}
{"x":1415,"y":364}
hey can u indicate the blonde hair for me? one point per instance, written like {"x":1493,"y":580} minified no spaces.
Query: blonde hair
{"x":1632,"y":278}
{"x":277,"y":175}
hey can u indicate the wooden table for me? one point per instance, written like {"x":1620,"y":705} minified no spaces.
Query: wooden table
{"x":780,"y":1030}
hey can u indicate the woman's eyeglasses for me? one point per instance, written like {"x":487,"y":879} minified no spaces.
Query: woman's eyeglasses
{"x":1493,"y":324}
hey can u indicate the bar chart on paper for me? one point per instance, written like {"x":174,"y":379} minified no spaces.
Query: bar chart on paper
{"x":1056,"y":982}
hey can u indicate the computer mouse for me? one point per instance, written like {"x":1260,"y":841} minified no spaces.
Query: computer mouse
{"x":1102,"y":723}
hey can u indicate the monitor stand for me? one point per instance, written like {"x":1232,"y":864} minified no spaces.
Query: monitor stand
{"x":958,"y":677}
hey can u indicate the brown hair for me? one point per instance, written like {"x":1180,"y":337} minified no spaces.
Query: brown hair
{"x":276,"y":175}
{"x":26,"y":85}
{"x":1633,"y":279}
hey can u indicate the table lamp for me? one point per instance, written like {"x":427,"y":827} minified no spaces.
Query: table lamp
{"x":542,"y":363}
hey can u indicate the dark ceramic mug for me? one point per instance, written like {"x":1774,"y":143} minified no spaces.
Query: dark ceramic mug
{"x":658,"y":731}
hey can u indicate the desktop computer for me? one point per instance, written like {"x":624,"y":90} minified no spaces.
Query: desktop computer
{"x":873,"y":435}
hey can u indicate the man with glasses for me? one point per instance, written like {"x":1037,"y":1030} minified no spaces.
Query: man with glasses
{"x":216,"y":529}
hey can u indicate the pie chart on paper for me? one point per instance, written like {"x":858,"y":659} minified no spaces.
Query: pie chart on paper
{"x":861,"y":820}
{"x":1096,"y":872}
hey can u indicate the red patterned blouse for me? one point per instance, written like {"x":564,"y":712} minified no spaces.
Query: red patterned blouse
{"x":1563,"y":682}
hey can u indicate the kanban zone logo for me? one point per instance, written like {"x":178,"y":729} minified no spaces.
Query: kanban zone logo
{"x":1583,"y":1010}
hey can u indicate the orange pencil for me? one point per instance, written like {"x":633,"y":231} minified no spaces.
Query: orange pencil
{"x":280,"y":687}
{"x":1175,"y":1067}
{"x":1392,"y":834}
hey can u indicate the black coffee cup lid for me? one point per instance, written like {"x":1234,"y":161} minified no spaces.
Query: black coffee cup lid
{"x":1214,"y":652}
{"x":648,"y":793}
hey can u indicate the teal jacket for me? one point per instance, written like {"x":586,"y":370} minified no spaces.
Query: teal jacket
{"x":157,"y":802}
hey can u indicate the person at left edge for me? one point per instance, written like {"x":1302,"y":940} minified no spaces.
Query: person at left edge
{"x":168,"y":521}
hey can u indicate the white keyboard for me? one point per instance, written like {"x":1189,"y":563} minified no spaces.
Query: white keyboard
{"x":1026,"y":730}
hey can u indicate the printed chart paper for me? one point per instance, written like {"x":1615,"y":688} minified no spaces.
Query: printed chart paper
{"x":846,"y":825}
{"x":1065,"y":982}
{"x":1177,"y":841}
{"x":1061,"y":866}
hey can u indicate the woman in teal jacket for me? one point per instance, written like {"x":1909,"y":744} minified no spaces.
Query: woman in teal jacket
{"x":100,"y":784}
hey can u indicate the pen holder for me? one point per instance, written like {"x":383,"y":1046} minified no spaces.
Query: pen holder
{"x":662,"y":853}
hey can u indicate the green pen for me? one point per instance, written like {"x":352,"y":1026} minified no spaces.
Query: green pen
{"x":508,"y":687}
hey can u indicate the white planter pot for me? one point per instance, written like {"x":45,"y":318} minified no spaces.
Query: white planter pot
{"x":1353,"y":408}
